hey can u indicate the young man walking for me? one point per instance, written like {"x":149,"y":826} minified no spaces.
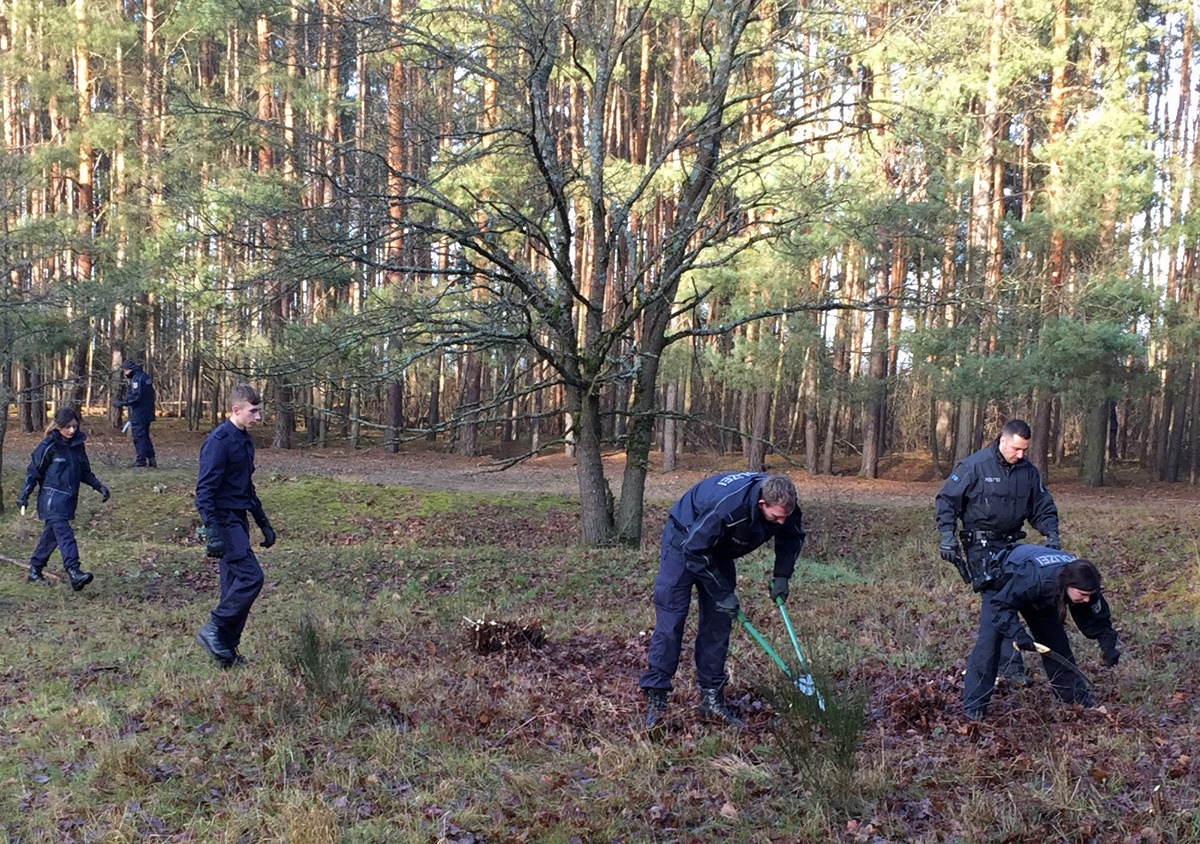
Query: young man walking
{"x":224,"y":496}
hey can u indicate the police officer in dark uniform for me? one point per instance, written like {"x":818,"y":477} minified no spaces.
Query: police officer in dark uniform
{"x":224,"y":495}
{"x":1041,"y":584}
{"x":718,"y":520}
{"x":57,"y":468}
{"x":139,"y":398}
{"x":993,"y":492}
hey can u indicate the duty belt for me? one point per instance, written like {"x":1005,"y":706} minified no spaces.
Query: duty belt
{"x":984,"y":570}
{"x":990,"y":537}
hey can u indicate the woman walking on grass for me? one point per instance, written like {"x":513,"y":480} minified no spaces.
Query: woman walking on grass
{"x":59,"y":465}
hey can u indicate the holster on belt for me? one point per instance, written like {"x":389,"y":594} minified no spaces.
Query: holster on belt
{"x":986,"y":565}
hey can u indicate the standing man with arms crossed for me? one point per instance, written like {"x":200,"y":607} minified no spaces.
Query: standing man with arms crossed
{"x":718,"y":520}
{"x":993,"y":492}
{"x":139,"y":398}
{"x":224,"y":495}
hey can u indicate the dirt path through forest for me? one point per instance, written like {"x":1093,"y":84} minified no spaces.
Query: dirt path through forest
{"x":908,"y":481}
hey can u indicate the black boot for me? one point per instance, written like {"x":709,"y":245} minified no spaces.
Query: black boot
{"x":238,"y":659}
{"x":656,"y":707}
{"x":152,"y":463}
{"x":35,"y":574}
{"x":712,"y":705}
{"x":210,"y":639}
{"x":79,"y":579}
{"x":1013,"y":673}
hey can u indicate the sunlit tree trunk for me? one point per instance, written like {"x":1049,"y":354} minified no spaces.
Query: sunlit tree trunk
{"x":877,"y":375}
{"x":85,"y":198}
{"x":1056,"y":122}
{"x":1176,"y":374}
{"x":670,"y":425}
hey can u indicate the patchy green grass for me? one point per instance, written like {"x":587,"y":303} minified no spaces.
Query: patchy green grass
{"x":366,"y":715}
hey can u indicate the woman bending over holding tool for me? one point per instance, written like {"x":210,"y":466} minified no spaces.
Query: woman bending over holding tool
{"x":1041,"y":584}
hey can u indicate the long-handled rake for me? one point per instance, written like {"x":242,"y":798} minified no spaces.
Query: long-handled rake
{"x":802,"y":681}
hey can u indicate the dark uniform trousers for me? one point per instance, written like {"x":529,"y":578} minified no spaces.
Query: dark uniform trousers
{"x":1011,"y":663}
{"x":672,"y":598}
{"x":241,"y":577}
{"x":990,"y":645}
{"x":57,"y":534}
{"x":142,"y":446}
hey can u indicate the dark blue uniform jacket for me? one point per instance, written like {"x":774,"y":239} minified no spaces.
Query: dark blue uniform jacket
{"x":1032,"y":585}
{"x":59,"y":466}
{"x":987,"y":493}
{"x":225,"y":480}
{"x":718,"y":520}
{"x":139,"y":397}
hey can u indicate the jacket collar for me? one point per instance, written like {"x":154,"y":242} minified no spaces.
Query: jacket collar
{"x":1005,"y":466}
{"x":76,"y":440}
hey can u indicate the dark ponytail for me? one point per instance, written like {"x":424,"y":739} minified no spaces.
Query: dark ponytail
{"x":1080,"y":574}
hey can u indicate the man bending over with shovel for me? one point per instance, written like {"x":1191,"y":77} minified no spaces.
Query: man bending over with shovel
{"x":718,"y":520}
{"x":1041,"y":584}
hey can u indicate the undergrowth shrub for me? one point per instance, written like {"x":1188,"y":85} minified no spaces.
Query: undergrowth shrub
{"x":324,"y":665}
{"x":819,"y":743}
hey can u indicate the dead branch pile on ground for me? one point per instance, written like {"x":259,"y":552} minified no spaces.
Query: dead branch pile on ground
{"x":488,"y":636}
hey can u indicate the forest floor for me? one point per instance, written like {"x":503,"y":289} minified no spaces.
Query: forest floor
{"x":436,"y":659}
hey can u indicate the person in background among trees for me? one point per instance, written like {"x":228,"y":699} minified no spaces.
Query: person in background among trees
{"x":139,"y":398}
{"x":993,"y":492}
{"x":224,"y":495}
{"x":716,"y":521}
{"x":1041,"y":584}
{"x":58,"y":466}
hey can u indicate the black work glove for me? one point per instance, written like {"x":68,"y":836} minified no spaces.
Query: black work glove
{"x":1052,"y":541}
{"x":1025,"y":642}
{"x":1112,"y":657}
{"x":729,"y":605}
{"x":22,"y":500}
{"x":104,"y":493}
{"x":948,"y":548}
{"x":268,"y":533}
{"x":779,"y":588}
{"x":214,"y":543}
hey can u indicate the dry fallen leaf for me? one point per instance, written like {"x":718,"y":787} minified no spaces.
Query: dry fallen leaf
{"x":729,"y":810}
